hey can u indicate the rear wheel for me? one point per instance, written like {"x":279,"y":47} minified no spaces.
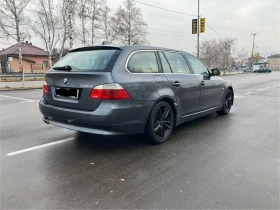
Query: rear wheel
{"x":160,"y":123}
{"x":227,"y":103}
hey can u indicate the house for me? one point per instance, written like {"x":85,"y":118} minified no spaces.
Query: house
{"x":34,"y":59}
{"x":259,"y":59}
{"x":274,"y":61}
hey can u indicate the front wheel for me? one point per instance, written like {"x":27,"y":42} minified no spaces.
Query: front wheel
{"x":160,"y":123}
{"x":227,"y":103}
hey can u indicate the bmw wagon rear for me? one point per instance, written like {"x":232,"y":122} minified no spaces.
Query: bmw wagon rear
{"x":113,"y":90}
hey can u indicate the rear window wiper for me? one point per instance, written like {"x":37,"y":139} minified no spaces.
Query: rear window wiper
{"x":63,"y":68}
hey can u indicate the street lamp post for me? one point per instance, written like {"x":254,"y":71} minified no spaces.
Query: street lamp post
{"x":198,"y":31}
{"x":254,"y":34}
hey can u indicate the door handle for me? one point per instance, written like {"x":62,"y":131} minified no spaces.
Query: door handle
{"x":176,"y":84}
{"x":202,"y":83}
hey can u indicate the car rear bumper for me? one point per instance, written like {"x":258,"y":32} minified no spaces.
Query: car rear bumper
{"x":110,"y":118}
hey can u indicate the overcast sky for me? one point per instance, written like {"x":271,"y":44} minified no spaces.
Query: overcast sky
{"x":230,"y":18}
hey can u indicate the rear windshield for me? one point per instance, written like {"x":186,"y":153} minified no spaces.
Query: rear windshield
{"x":94,"y":60}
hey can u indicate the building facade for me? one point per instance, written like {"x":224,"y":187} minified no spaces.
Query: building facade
{"x":34,"y":59}
{"x":274,"y":61}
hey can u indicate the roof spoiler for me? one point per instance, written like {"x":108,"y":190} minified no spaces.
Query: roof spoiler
{"x":101,"y":47}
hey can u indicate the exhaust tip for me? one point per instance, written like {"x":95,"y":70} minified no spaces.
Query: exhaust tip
{"x":46,"y":120}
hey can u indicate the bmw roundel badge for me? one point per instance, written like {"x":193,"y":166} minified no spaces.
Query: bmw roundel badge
{"x":65,"y":80}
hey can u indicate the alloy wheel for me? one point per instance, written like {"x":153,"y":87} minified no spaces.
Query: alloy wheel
{"x":163,"y":122}
{"x":228,"y":100}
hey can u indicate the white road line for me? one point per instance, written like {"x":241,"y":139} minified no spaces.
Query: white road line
{"x":16,"y":98}
{"x":259,"y":89}
{"x":28,"y":101}
{"x":39,"y":147}
{"x":248,"y":93}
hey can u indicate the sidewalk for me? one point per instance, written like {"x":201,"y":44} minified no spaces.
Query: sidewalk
{"x":18,"y":85}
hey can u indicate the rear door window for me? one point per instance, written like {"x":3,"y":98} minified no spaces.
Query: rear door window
{"x":93,"y":60}
{"x":164,"y":63}
{"x":197,"y":66}
{"x":177,"y":62}
{"x":143,"y":62}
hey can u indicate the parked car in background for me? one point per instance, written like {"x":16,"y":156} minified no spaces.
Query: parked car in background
{"x":261,"y":68}
{"x":264,"y":70}
{"x":113,"y":90}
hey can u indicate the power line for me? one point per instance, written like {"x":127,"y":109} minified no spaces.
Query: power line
{"x":177,"y":13}
{"x":172,"y":34}
{"x":165,"y":31}
{"x":164,"y":9}
{"x":214,"y":30}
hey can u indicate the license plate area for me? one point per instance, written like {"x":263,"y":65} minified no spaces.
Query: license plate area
{"x":66,"y":93}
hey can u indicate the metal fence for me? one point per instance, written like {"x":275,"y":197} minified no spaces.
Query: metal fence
{"x":19,"y":75}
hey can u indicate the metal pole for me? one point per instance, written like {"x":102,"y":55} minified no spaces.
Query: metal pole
{"x":254,"y":34}
{"x":198,"y":31}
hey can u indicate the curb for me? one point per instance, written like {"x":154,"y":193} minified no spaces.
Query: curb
{"x":20,"y":88}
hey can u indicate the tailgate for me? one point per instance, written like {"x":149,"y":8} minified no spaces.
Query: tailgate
{"x":72,"y":89}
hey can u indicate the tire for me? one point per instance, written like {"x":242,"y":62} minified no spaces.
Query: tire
{"x":160,"y":124}
{"x":227,"y":103}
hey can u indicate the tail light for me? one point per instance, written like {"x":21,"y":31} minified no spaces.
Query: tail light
{"x":112,"y":91}
{"x":45,"y":88}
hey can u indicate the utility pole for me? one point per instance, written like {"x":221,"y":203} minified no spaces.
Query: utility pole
{"x":198,"y":31}
{"x":254,"y":34}
{"x":257,"y":53}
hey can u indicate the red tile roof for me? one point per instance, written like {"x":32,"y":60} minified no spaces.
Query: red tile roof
{"x":26,"y":48}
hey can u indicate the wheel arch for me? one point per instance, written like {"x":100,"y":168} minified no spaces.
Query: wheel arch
{"x":172,"y":104}
{"x":230,"y":88}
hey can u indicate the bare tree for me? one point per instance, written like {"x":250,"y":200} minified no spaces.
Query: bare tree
{"x":109,"y":23}
{"x":63,"y":29}
{"x":11,"y":23}
{"x":94,"y":12}
{"x":134,"y":29}
{"x":82,"y":14}
{"x":70,"y":12}
{"x":46,"y":25}
{"x":218,"y":53}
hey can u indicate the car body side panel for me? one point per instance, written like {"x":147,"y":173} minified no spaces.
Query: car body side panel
{"x":187,"y":94}
{"x":211,"y":93}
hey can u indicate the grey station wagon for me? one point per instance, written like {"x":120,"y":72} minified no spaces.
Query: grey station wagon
{"x":113,"y":90}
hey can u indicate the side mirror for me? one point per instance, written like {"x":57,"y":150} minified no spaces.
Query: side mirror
{"x":215,"y":72}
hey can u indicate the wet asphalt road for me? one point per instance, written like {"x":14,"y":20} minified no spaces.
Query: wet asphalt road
{"x":213,"y":162}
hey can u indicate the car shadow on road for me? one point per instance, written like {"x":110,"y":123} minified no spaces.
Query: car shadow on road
{"x":85,"y":140}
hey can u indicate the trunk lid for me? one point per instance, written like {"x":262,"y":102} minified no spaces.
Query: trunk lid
{"x":72,"y":78}
{"x":72,"y":89}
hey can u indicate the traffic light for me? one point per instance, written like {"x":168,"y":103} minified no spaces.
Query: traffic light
{"x":202,"y":25}
{"x":194,"y":26}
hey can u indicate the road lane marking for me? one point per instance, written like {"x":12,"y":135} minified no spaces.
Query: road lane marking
{"x":29,"y":101}
{"x":259,"y":89}
{"x":248,"y":93}
{"x":39,"y":146}
{"x":16,"y":98}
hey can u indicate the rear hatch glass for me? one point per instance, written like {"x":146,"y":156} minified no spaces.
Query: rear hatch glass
{"x":93,"y":60}
{"x":71,"y":80}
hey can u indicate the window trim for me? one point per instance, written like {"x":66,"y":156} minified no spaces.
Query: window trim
{"x":158,"y":54}
{"x":137,"y":51}
{"x":158,"y":61}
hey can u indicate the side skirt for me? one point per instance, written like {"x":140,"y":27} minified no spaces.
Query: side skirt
{"x":183,"y":119}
